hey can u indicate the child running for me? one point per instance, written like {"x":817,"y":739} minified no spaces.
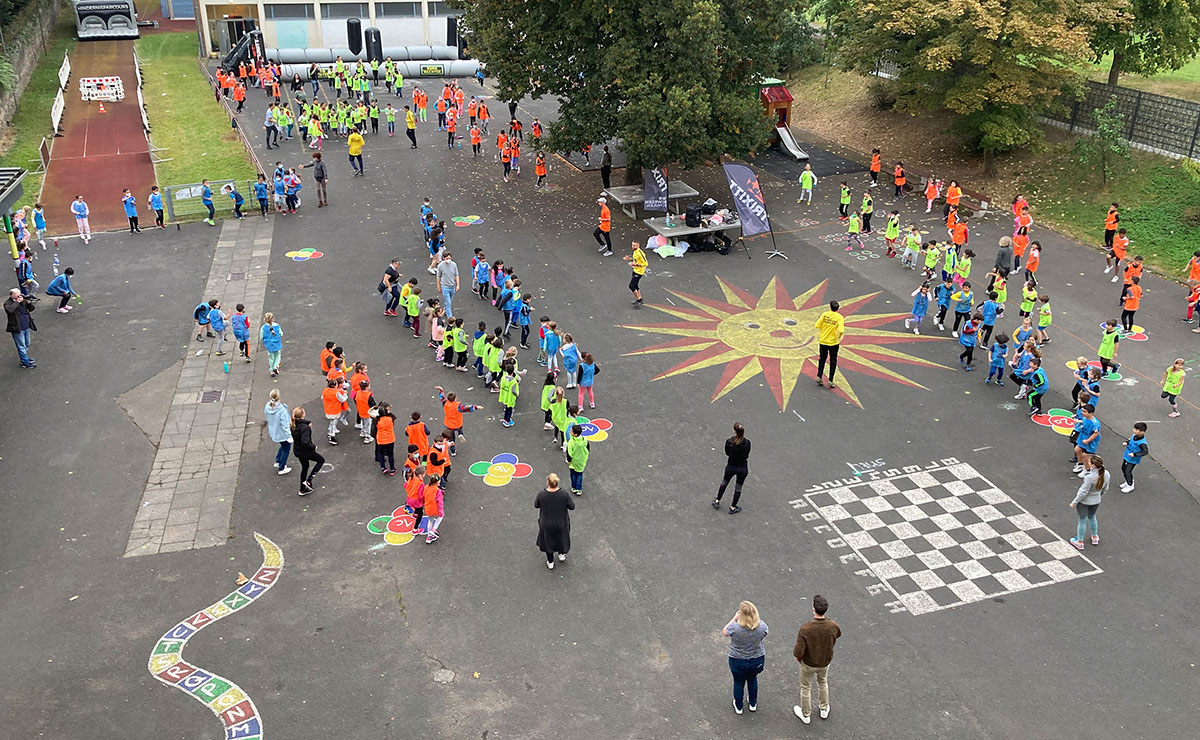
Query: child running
{"x":1172,"y":384}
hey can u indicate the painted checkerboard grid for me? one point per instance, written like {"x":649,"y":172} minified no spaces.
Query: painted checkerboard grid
{"x":946,"y":536}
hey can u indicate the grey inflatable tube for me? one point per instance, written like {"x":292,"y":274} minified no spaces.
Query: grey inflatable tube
{"x":299,"y":55}
{"x":434,"y":69}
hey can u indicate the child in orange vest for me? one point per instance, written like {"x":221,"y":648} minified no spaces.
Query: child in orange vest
{"x":1192,"y":299}
{"x":385,"y":438}
{"x":414,"y":494}
{"x":432,"y":514}
{"x":418,"y":434}
{"x":439,"y":456}
{"x":333,"y":398}
{"x":932,"y":191}
{"x":1035,"y":259}
{"x":364,"y":404}
{"x":326,"y":355}
{"x":452,"y":412}
{"x":411,"y":462}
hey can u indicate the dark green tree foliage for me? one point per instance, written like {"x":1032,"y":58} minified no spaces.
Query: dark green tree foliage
{"x":673,"y":79}
{"x":1153,"y":36}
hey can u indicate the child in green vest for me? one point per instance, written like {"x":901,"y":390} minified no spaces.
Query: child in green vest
{"x":932,"y":255}
{"x":510,"y":388}
{"x":578,"y":450}
{"x":807,"y":179}
{"x":853,"y":232}
{"x":892,"y":233}
{"x":550,"y":392}
{"x":1045,"y":318}
{"x":412,"y":307}
{"x":844,"y":202}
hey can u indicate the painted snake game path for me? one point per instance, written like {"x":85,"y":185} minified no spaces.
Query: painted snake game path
{"x":943,"y":536}
{"x":233,"y":706}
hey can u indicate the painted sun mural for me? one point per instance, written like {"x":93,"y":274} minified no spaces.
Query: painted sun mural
{"x":773,"y":334}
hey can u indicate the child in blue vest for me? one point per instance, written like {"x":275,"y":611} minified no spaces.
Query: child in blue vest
{"x":998,"y":351}
{"x":200,"y":316}
{"x":588,"y":369}
{"x":1038,"y":385}
{"x":967,"y":339}
{"x":919,"y":308}
{"x":963,"y":300}
{"x":990,"y":310}
{"x":206,"y":199}
{"x":241,"y":330}
{"x":570,"y":360}
{"x":512,"y":311}
{"x":523,"y":318}
{"x":237,"y":199}
{"x":1136,"y":448}
{"x":553,"y":341}
{"x":942,"y":295}
{"x":39,"y":224}
{"x":260,"y":194}
{"x":216,"y":320}
{"x":483,"y":272}
{"x":155,"y":201}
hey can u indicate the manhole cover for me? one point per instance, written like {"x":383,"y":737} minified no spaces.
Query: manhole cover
{"x":211,"y":396}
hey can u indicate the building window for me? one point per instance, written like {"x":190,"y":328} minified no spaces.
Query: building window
{"x":344,"y":10}
{"x":398,"y":10}
{"x":288,"y":11}
{"x":439,"y":8}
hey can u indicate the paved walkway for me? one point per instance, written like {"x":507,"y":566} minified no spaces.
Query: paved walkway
{"x":188,"y":500}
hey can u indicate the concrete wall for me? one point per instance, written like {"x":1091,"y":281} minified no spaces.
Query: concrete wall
{"x":24,"y":37}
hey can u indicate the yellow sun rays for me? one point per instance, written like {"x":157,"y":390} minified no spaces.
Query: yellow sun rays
{"x":772,"y":335}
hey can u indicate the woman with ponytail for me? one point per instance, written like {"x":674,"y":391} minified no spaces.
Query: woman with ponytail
{"x":1087,"y":501}
{"x":737,"y":450}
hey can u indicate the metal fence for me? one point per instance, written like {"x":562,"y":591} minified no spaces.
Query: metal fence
{"x":1155,"y":123}
{"x":183,"y":202}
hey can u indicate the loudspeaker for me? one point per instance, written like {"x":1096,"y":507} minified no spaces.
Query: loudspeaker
{"x":452,"y":31}
{"x":354,"y":35}
{"x":374,"y":45}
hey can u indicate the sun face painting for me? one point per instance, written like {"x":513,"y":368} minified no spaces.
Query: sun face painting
{"x":773,"y":334}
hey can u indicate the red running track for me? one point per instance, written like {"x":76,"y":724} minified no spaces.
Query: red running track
{"x":98,"y":154}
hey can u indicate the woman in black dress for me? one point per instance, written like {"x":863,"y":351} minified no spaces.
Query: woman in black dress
{"x":554,"y":523}
{"x":737,"y":449}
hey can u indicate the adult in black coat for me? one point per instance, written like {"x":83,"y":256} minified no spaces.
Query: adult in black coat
{"x":18,"y":311}
{"x":554,"y":523}
{"x":305,"y":450}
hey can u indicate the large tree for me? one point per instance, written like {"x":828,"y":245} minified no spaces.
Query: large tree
{"x":1153,"y":36}
{"x":997,"y":64}
{"x":673,"y":79}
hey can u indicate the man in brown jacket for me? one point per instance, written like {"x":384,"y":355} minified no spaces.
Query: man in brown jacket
{"x":814,"y":650}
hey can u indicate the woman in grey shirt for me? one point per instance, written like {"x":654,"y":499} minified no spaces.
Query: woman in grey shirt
{"x":1087,"y":501}
{"x":747,"y":655}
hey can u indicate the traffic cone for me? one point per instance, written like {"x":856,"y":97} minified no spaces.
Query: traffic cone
{"x":102,"y":107}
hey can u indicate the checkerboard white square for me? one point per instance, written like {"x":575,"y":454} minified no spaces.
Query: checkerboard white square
{"x":946,"y":536}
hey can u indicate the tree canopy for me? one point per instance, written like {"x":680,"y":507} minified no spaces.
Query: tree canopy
{"x":673,"y":79}
{"x":997,"y":64}
{"x":1152,"y":36}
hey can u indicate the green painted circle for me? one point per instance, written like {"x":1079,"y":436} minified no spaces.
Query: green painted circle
{"x":378,"y":525}
{"x":479,"y":468}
